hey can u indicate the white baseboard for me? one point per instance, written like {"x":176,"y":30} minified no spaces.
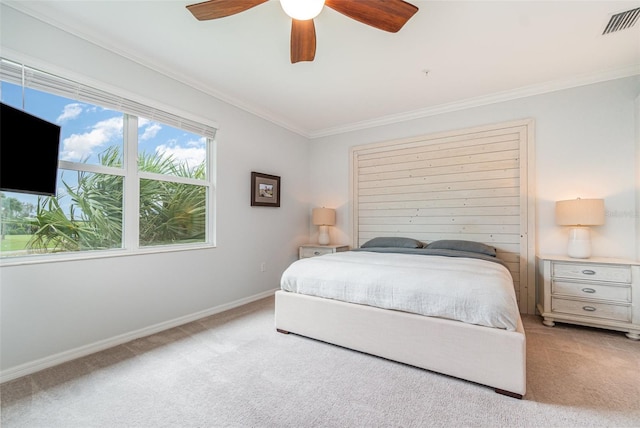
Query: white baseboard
{"x":82,"y":351}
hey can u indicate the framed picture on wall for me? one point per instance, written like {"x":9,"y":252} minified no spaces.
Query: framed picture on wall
{"x":265,"y":190}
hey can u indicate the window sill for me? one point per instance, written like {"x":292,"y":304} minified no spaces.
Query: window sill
{"x":100,"y":254}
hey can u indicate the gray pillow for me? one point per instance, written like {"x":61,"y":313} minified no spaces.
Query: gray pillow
{"x":461,"y":245}
{"x":397,"y":242}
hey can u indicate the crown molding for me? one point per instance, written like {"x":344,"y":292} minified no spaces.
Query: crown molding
{"x":95,"y":39}
{"x":499,"y":97}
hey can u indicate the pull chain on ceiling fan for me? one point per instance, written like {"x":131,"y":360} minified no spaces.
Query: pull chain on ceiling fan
{"x":387,"y":15}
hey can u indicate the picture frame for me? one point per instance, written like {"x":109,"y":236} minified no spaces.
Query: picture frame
{"x":265,"y":190}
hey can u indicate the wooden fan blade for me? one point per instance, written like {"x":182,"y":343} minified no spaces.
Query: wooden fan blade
{"x":213,"y":9}
{"x":387,"y":15}
{"x":303,"y":40}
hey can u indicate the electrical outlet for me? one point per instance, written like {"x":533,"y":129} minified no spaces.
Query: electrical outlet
{"x":263,"y":267}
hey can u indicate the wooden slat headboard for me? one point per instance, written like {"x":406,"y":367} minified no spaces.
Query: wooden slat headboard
{"x":473,"y":184}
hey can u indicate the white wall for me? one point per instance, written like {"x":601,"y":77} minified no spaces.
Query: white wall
{"x":585,"y":147}
{"x":49,"y":311}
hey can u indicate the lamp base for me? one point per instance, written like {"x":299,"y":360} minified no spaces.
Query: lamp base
{"x":323,"y":235}
{"x":579,"y":243}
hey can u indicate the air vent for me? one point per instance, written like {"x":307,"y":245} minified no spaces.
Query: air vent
{"x":622,"y":21}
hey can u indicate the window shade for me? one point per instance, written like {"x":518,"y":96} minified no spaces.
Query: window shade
{"x":28,"y":77}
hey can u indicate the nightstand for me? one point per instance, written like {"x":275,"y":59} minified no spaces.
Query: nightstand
{"x":596,"y":292}
{"x":312,"y":250}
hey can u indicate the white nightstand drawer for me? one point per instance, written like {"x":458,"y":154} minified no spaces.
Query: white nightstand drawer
{"x":592,"y":291}
{"x":592,"y":271}
{"x":314,"y":251}
{"x":591,"y":309}
{"x":598,"y":292}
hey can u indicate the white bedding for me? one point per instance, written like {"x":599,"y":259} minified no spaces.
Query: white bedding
{"x":464,"y":289}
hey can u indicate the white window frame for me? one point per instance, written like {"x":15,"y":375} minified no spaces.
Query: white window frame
{"x":28,"y":77}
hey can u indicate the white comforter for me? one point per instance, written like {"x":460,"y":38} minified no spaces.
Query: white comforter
{"x":464,"y":289}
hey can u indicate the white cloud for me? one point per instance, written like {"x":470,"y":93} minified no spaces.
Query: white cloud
{"x":193,"y":154}
{"x":78,"y":147}
{"x":151,"y":129}
{"x":71,"y":111}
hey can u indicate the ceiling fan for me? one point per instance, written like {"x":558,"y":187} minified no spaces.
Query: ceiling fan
{"x":387,"y":15}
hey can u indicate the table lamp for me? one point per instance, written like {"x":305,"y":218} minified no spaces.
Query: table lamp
{"x":324,"y":217}
{"x":580,"y":214}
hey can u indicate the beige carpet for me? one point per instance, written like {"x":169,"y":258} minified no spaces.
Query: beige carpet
{"x":234,"y":370}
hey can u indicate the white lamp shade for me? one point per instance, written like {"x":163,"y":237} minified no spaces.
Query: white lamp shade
{"x":580,"y":212}
{"x":324,"y":216}
{"x":302,"y":10}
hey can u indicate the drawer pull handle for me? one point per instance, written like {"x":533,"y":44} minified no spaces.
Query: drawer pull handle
{"x":589,"y":308}
{"x":589,"y":272}
{"x":316,"y":253}
{"x":589,"y":290}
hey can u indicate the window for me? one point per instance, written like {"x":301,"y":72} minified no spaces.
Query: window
{"x":130,"y":177}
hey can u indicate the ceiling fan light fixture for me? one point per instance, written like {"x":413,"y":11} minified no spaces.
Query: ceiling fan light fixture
{"x":302,"y":10}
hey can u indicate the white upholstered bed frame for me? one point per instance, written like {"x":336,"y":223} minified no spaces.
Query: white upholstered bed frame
{"x":484,"y":355}
{"x":488,"y":356}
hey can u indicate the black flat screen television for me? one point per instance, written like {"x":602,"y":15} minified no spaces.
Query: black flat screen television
{"x":28,"y":152}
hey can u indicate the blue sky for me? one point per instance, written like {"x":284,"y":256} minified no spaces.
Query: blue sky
{"x":87,"y":130}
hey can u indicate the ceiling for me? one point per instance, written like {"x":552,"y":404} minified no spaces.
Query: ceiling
{"x":450,"y":55}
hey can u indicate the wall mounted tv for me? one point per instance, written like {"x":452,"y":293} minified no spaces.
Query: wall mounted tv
{"x":28,"y":152}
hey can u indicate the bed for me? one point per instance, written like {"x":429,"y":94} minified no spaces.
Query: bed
{"x":448,"y":306}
